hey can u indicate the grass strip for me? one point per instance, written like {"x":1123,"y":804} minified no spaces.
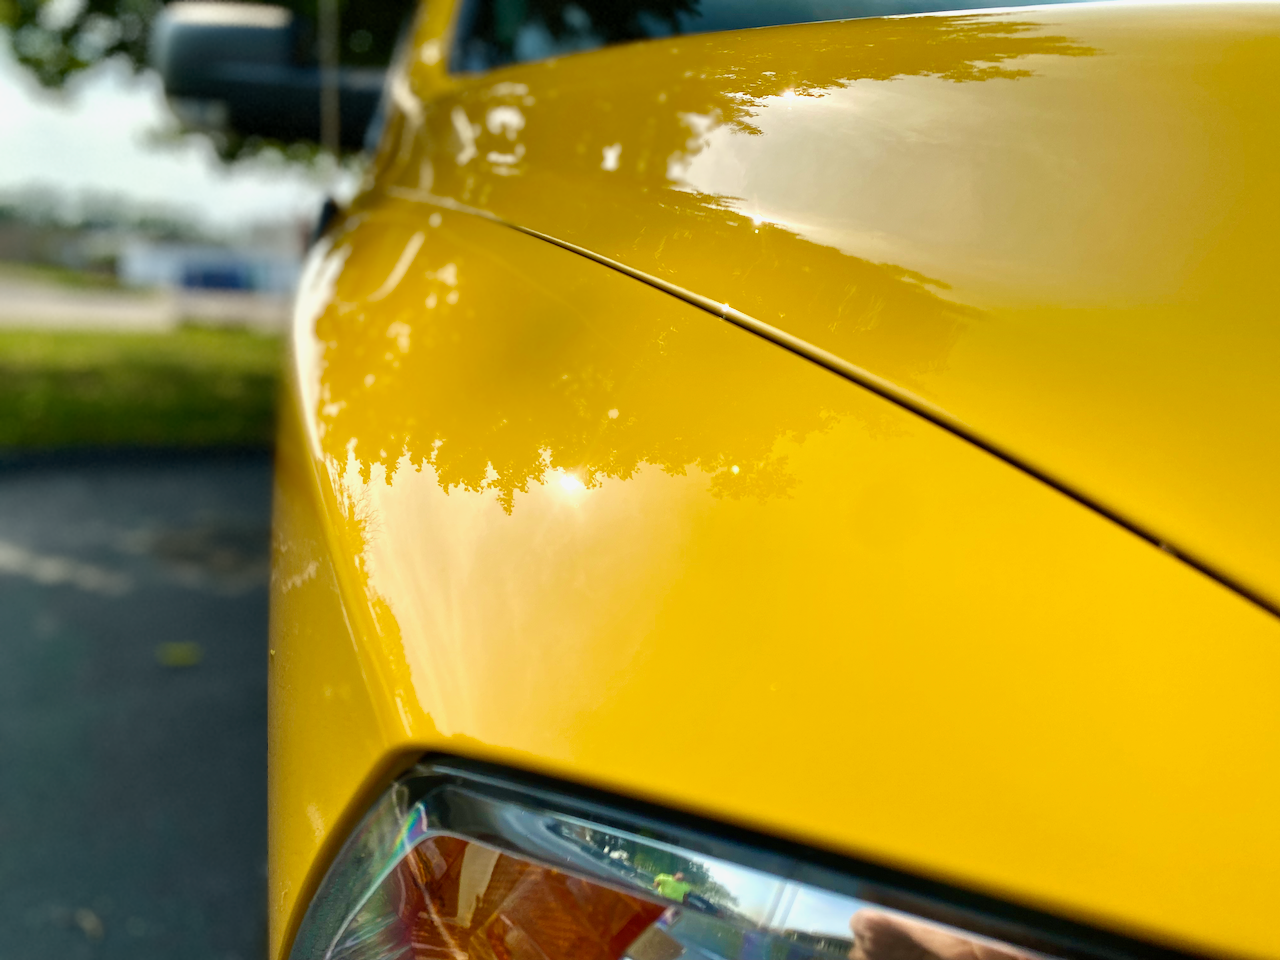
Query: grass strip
{"x":192,"y":388}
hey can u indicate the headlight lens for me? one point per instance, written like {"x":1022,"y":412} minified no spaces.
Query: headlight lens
{"x":455,"y":865}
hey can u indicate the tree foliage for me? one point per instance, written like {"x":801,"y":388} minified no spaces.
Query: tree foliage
{"x":56,"y":39}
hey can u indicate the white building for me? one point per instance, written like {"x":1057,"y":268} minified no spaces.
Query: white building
{"x":147,"y":263}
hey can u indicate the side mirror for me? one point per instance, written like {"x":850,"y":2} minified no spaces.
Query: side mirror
{"x":240,"y":66}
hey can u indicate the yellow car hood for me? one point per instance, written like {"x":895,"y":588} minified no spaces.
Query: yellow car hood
{"x":1052,"y":228}
{"x":534,"y":512}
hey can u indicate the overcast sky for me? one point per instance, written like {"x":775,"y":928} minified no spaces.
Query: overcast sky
{"x":95,"y":138}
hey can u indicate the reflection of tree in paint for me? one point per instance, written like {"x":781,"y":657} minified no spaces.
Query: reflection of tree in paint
{"x":492,"y":33}
{"x":495,"y":32}
{"x":496,"y":374}
{"x":603,"y":156}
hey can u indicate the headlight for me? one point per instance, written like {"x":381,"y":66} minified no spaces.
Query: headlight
{"x":455,"y":863}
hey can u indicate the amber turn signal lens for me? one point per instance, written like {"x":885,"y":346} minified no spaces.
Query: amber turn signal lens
{"x":457,"y":900}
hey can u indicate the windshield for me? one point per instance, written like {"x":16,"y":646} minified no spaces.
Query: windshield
{"x":496,"y":32}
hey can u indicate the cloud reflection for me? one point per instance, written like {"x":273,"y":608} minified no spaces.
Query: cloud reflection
{"x":620,"y":166}
{"x":495,"y":372}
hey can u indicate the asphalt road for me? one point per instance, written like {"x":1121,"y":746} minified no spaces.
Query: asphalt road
{"x":133,"y":614}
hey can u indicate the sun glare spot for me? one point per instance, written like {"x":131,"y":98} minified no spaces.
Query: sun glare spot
{"x":571,"y":484}
{"x":611,"y":155}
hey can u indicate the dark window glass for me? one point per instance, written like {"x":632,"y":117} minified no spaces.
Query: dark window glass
{"x":495,"y":32}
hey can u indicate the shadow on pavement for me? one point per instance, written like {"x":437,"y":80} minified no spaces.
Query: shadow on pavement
{"x":133,"y":618}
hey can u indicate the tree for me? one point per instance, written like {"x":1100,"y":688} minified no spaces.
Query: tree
{"x":56,"y":39}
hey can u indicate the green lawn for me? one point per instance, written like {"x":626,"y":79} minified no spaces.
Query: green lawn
{"x":191,"y":388}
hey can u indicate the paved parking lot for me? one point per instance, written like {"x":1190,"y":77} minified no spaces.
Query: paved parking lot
{"x":133,"y":614}
{"x":32,"y":302}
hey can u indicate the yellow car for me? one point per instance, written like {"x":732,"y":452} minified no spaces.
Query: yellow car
{"x":794,"y":492}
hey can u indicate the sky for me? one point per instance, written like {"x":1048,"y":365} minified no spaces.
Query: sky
{"x":95,"y":137}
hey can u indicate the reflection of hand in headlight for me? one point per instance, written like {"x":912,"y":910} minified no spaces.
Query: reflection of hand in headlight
{"x":410,"y":883}
{"x":885,"y":936}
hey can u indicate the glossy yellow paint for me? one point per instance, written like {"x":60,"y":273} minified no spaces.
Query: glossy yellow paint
{"x":1056,"y":225}
{"x":529,"y":505}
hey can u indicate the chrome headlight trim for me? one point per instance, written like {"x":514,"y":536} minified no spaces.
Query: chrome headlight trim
{"x":561,"y":827}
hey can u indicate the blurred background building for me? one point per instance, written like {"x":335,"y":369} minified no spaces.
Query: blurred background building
{"x":115,"y":262}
